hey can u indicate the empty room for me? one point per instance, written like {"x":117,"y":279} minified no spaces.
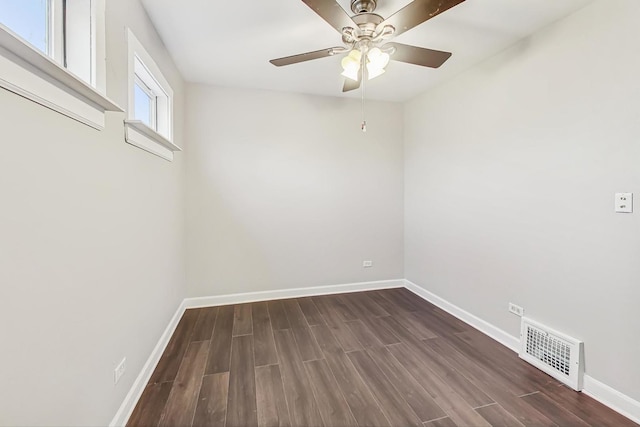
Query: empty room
{"x":319,"y":213}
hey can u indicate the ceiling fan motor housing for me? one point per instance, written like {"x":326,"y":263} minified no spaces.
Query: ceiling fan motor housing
{"x":360,"y":6}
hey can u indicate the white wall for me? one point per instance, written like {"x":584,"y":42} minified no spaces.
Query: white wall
{"x":91,"y":248}
{"x":510,"y":175}
{"x":284,"y":191}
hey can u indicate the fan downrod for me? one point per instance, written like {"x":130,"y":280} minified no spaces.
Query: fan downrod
{"x":363,"y":6}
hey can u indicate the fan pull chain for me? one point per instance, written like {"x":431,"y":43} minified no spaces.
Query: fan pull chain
{"x":363,"y":79}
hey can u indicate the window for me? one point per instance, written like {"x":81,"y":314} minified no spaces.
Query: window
{"x":151,"y":99}
{"x":150,"y":110}
{"x":49,"y":55}
{"x":64,"y":30}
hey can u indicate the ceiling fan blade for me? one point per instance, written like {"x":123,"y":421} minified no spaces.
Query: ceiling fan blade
{"x":417,"y":12}
{"x":418,"y":55}
{"x":350,"y":85}
{"x":308,"y":56}
{"x":332,"y":12}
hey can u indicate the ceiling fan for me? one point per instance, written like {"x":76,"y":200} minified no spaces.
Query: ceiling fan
{"x":366,"y":37}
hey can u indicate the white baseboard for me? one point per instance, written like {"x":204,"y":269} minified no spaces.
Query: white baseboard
{"x":485,"y":327}
{"x":291,"y":293}
{"x":130,"y":401}
{"x":612,"y":398}
{"x":601,"y":392}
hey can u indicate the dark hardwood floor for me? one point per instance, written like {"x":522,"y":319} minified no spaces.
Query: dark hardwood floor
{"x":381,"y":358}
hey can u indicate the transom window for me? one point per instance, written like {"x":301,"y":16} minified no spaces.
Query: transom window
{"x":64,"y":30}
{"x":150,"y":104}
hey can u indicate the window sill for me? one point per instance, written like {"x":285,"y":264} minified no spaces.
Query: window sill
{"x":142,"y":136}
{"x":27,"y":72}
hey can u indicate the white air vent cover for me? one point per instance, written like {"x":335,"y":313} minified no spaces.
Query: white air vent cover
{"x":552,"y":352}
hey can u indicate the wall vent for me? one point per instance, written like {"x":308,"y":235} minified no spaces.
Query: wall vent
{"x":555,"y":353}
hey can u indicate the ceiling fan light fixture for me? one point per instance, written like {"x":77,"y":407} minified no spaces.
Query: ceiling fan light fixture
{"x":351,"y":73}
{"x":373,"y":72}
{"x":351,"y":65}
{"x":378,"y":58}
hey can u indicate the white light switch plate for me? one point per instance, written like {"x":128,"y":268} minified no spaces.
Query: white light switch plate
{"x":624,"y":202}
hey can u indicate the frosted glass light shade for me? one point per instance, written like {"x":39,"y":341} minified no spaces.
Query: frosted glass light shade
{"x":377,"y":58}
{"x":351,"y":73}
{"x":351,"y":65}
{"x":374,"y":72}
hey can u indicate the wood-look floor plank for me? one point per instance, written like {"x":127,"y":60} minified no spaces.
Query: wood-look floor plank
{"x":278,"y":316}
{"x":366,"y":307}
{"x":263,"y":344}
{"x":354,"y":305}
{"x":442,"y":422}
{"x":242,"y":324}
{"x":494,"y":386}
{"x":220,"y":344}
{"x":412,"y":392}
{"x":417,"y":329}
{"x":183,"y":398}
{"x":333,"y":407}
{"x":455,"y":323}
{"x":203,"y":329}
{"x":364,"y":334}
{"x":241,"y":405}
{"x":341,"y":308}
{"x":307,"y":345}
{"x":169,"y":363}
{"x":498,"y":416}
{"x":150,"y":405}
{"x":415,"y":300}
{"x":294,"y":313}
{"x":488,"y":365}
{"x":452,"y":403}
{"x":587,"y":409}
{"x":471,"y":393}
{"x":553,"y":411}
{"x":409,"y":302}
{"x":212,"y":403}
{"x":339,"y":329}
{"x":379,"y":328}
{"x":434,"y":323}
{"x":310,"y":311}
{"x":511,"y":367}
{"x":397,"y":410}
{"x":388,"y":305}
{"x":363,"y":406}
{"x":273,"y":410}
{"x":303,"y":408}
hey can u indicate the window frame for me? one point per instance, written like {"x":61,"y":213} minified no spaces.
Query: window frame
{"x":41,"y":78}
{"x":158,"y":139}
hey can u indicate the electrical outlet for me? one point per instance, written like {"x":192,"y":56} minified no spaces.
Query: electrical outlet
{"x":367,"y":264}
{"x":516,"y":309}
{"x":119,"y":371}
{"x":624,"y":202}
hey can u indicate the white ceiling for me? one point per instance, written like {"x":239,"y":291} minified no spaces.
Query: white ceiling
{"x":230,"y":43}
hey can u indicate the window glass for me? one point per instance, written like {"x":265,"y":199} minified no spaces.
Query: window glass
{"x":143,"y":105}
{"x":78,"y":41}
{"x":27,"y":18}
